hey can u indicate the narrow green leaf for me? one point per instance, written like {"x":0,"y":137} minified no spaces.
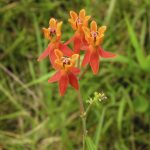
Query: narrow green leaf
{"x":89,"y":143}
{"x":134,"y":41}
{"x":121,"y":113}
{"x":110,"y":11}
{"x":36,"y":81}
{"x":99,"y":127}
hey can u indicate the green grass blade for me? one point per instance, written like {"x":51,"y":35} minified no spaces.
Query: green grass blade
{"x":121,"y":114}
{"x":89,"y":143}
{"x":134,"y":41}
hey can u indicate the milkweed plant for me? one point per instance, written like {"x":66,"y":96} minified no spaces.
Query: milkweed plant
{"x":66,"y":61}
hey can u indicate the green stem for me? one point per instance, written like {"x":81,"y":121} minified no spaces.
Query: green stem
{"x":82,"y":113}
{"x":88,"y":108}
{"x":83,"y":117}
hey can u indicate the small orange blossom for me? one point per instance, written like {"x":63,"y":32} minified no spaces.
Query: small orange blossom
{"x":78,"y":22}
{"x":66,"y":71}
{"x":53,"y":33}
{"x":94,"y":38}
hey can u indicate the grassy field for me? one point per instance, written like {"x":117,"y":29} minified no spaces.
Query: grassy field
{"x":33,"y":116}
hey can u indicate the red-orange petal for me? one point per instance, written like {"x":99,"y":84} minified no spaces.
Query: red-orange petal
{"x":77,"y":44}
{"x":66,"y":50}
{"x":52,"y":58}
{"x":45,"y":53}
{"x":94,"y":62}
{"x":86,"y":58}
{"x":105,"y":54}
{"x":84,"y":44}
{"x":73,"y":81}
{"x":75,"y":70}
{"x":63,"y":84}
{"x":55,"y":77}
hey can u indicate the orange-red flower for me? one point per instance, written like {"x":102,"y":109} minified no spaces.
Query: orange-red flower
{"x":94,"y":38}
{"x":66,"y":71}
{"x":53,"y":33}
{"x":78,"y":22}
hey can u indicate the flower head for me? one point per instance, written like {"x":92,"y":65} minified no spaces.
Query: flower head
{"x":53,"y":32}
{"x":77,"y":21}
{"x":66,"y":71}
{"x":94,"y":39}
{"x":63,"y":62}
{"x":63,"y":59}
{"x":94,"y":36}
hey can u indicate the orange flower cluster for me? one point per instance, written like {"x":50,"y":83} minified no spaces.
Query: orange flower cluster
{"x":63,"y":59}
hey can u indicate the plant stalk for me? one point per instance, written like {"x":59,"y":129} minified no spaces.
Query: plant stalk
{"x":82,"y":113}
{"x":83,"y":118}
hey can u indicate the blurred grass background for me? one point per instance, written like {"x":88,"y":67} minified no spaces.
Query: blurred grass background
{"x":32,"y":114}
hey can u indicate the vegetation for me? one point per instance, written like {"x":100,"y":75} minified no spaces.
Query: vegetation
{"x":33,"y":116}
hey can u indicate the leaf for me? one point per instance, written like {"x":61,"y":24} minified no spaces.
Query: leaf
{"x":110,"y":11}
{"x":99,"y":127}
{"x":140,"y":104}
{"x":148,"y":62}
{"x":120,"y":113}
{"x":89,"y":143}
{"x":135,"y":43}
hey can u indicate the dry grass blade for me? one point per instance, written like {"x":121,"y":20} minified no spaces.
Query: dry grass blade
{"x":30,"y":92}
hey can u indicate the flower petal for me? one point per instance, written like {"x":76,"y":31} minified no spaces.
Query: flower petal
{"x":105,"y":54}
{"x":46,"y":52}
{"x":101,"y":30}
{"x":73,"y":80}
{"x":93,"y":26}
{"x":87,"y":34}
{"x":85,"y":21}
{"x":73,"y":23}
{"x":99,"y":40}
{"x":46,"y":33}
{"x":82,"y":13}
{"x":94,"y":62}
{"x":52,"y":23}
{"x":86,"y":58}
{"x":74,"y":57}
{"x":75,"y":70}
{"x":63,"y":84}
{"x":58,"y":29}
{"x":58,"y":53}
{"x":87,"y":18}
{"x":52,"y":58}
{"x":86,"y":30}
{"x":85,"y":46}
{"x":58,"y":64}
{"x":66,"y":50}
{"x":73,"y":15}
{"x":77,"y":44}
{"x":55,"y":77}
